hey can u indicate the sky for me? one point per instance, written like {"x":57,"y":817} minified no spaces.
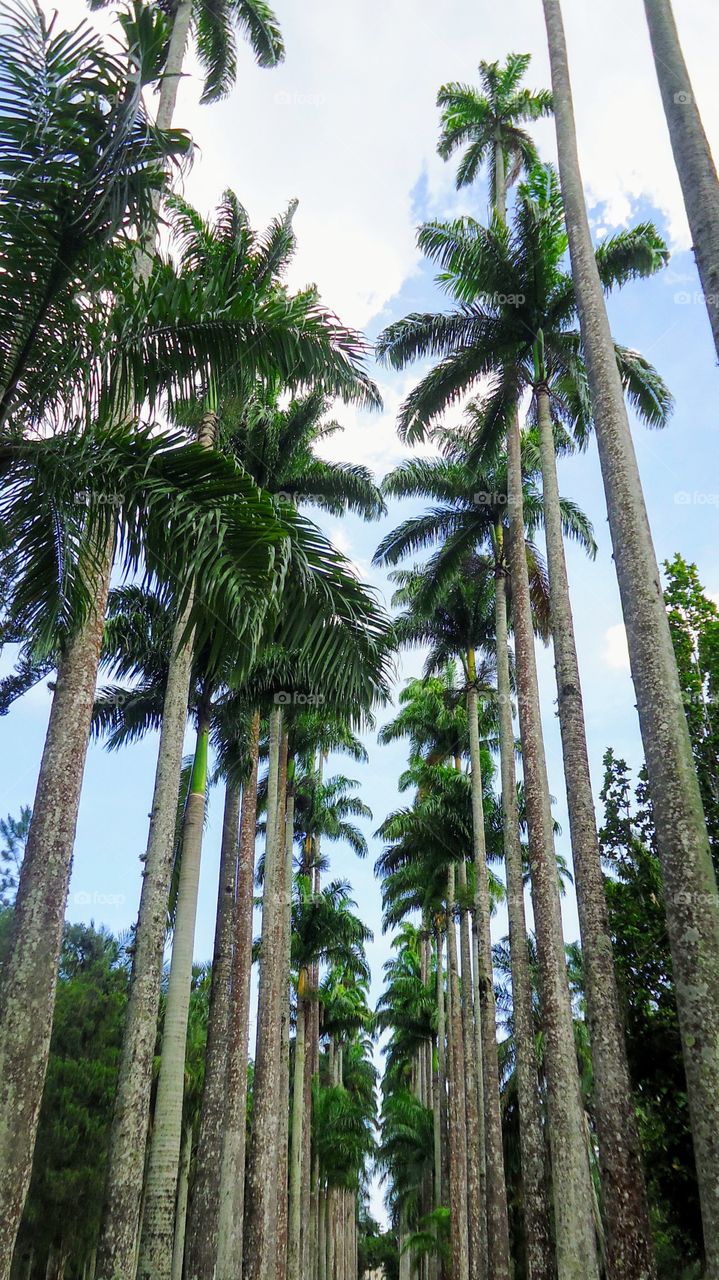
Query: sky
{"x":348,"y":126}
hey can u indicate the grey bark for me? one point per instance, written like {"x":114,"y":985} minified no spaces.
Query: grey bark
{"x":183,"y":1187}
{"x":535,"y":1199}
{"x":262,"y":1187}
{"x":202,"y":1227}
{"x":172,"y":73}
{"x":232,"y":1171}
{"x":476,"y":1226}
{"x":692,"y":153}
{"x":457,"y":1123}
{"x":29,"y":974}
{"x":497,"y":1220}
{"x":574,"y":1226}
{"x":157,"y":1234}
{"x":624,"y":1192}
{"x":692,"y":904}
{"x":294,"y":1254}
{"x":284,"y":1088}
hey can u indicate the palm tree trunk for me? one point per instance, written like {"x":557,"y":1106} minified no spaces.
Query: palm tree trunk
{"x":535,"y":1201}
{"x":571,"y":1180}
{"x":262,"y":1186}
{"x":284,"y":1093}
{"x":624,"y":1192}
{"x":294,"y":1256}
{"x":29,"y":974}
{"x":232,"y":1172}
{"x":457,"y":1123}
{"x":172,"y":72}
{"x":183,"y":1186}
{"x":440,"y":1097}
{"x":691,"y":899}
{"x":692,"y":153}
{"x":497,"y":1218}
{"x":155,"y":1260}
{"x":201,"y":1253}
{"x":476,"y":1227}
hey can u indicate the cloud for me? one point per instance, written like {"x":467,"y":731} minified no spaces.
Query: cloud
{"x":616,"y":653}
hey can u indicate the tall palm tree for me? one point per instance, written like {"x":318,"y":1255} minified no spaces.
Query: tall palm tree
{"x":690,"y":885}
{"x":227,"y":258}
{"x":469,"y":512}
{"x":488,"y":124}
{"x":692,"y":153}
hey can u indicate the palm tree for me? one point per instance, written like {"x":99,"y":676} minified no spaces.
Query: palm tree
{"x":690,"y":885}
{"x":692,"y":153}
{"x":469,"y":511}
{"x":489,"y":125}
{"x":228,"y":259}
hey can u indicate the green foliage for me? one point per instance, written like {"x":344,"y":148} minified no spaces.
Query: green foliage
{"x":644,"y":974}
{"x":694,"y":626}
{"x":14,"y":833}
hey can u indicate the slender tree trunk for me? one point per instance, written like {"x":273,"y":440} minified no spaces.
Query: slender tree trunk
{"x":440,"y":1093}
{"x":571,"y":1180}
{"x":172,"y":73}
{"x":262,"y":1186}
{"x":201,"y":1252}
{"x":155,"y":1261}
{"x":624,"y":1192}
{"x":691,"y":899}
{"x":29,"y":974}
{"x":535,"y":1200}
{"x":298,"y":1110}
{"x":232,"y":1172}
{"x":322,"y":1235}
{"x":457,"y":1122}
{"x":476,"y":1228}
{"x":497,"y":1219}
{"x":284,"y":1093}
{"x":692,"y":153}
{"x":183,"y":1186}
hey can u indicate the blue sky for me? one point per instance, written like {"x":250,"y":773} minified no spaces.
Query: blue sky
{"x":348,"y":124}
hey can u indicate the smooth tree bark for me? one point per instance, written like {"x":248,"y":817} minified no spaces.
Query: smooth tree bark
{"x":441,"y":1140}
{"x":232,"y":1168}
{"x":183,"y":1188}
{"x":201,"y":1248}
{"x":157,"y":1234}
{"x":172,"y":71}
{"x":457,"y":1126}
{"x":262,"y":1187}
{"x":692,"y":153}
{"x":285,"y":978}
{"x":294,"y":1254}
{"x":29,"y":974}
{"x":535,"y":1199}
{"x":628,"y":1232}
{"x":497,"y":1218}
{"x":692,"y":903}
{"x":476,"y":1227}
{"x":571,"y":1179}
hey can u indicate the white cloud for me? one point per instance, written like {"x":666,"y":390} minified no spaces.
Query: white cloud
{"x":616,"y":653}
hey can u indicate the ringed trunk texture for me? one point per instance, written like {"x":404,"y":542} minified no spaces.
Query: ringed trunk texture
{"x":29,"y":975}
{"x":232,"y":1169}
{"x":476,"y":1228}
{"x":201,"y":1251}
{"x":457,"y":1123}
{"x":497,"y":1217}
{"x":572,"y":1186}
{"x":262,"y":1186}
{"x":535,"y":1199}
{"x":692,"y":154}
{"x":157,"y":1235}
{"x":626,"y":1211}
{"x":183,"y":1187}
{"x":692,"y":904}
